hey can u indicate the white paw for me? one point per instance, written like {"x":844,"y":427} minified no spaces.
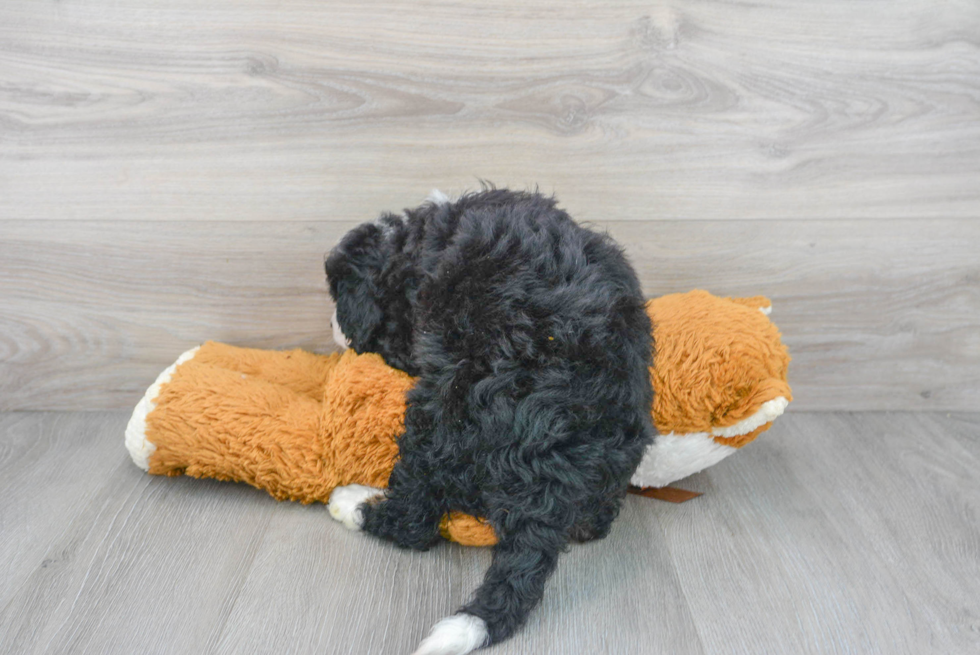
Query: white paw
{"x":454,"y":635}
{"x":345,"y":504}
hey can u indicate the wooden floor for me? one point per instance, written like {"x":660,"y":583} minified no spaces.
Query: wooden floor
{"x":833,"y":533}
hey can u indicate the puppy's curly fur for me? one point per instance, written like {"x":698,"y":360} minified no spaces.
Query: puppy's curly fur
{"x":531,"y":344}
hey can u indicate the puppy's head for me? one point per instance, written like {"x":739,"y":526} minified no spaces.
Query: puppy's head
{"x":368,"y":285}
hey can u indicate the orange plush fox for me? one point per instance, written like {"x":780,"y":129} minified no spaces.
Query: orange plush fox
{"x":298,"y":424}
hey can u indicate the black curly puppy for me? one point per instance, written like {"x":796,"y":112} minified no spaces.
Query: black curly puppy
{"x":531,"y":344}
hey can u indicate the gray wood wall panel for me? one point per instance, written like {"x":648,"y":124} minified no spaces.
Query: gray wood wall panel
{"x":833,"y":533}
{"x":173,"y":172}
{"x":877,"y":314}
{"x":633,"y":110}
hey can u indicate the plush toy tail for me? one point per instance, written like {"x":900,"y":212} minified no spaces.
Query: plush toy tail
{"x":140,"y":448}
{"x":206,"y":421}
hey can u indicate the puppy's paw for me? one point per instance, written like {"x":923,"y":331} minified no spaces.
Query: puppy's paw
{"x":345,"y":504}
{"x":454,"y":635}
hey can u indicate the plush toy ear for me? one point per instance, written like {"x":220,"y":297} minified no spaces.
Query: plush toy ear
{"x":761,"y":303}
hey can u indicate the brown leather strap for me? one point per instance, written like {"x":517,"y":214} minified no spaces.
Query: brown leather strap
{"x":670,"y":494}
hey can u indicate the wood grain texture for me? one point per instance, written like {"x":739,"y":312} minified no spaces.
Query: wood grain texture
{"x":866,"y":515}
{"x":310,"y":110}
{"x":57,"y":467}
{"x":159,"y":569}
{"x":833,"y":533}
{"x":877,"y":314}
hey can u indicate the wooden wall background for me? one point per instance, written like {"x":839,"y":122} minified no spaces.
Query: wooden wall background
{"x":174,"y":171}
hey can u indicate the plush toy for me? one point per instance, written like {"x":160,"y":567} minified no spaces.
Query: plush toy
{"x":298,"y":424}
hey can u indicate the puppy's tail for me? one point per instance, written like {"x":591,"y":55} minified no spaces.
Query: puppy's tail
{"x":522,"y":563}
{"x":455,"y":635}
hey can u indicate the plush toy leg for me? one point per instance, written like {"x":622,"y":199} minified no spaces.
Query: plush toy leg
{"x":209,"y":422}
{"x":467,"y":530}
{"x":298,"y":370}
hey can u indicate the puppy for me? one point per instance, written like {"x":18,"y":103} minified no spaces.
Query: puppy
{"x":532,"y":349}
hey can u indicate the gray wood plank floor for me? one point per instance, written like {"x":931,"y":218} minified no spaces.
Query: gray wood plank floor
{"x":834,"y":533}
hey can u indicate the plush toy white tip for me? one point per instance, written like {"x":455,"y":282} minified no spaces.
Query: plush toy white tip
{"x":139,"y":447}
{"x":454,"y":635}
{"x":437,"y":197}
{"x":770,"y":411}
{"x":345,"y":504}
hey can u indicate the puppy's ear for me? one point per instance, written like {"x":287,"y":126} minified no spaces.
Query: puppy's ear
{"x":353,"y":270}
{"x":359,"y":316}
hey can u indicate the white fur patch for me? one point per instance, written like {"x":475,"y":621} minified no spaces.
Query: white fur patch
{"x":437,"y":197}
{"x":338,"y":334}
{"x":345,"y":504}
{"x":675,"y":456}
{"x":766,"y":310}
{"x":454,"y":635}
{"x":141,"y":449}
